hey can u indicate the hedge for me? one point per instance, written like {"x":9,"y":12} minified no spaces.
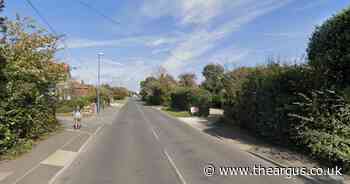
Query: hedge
{"x":329,"y":48}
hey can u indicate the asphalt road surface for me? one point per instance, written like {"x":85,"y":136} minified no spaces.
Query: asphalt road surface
{"x":144,"y":146}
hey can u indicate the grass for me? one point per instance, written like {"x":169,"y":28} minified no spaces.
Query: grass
{"x":176,"y":113}
{"x":64,"y":114}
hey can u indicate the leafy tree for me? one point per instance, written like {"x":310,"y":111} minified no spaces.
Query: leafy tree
{"x":213,"y":74}
{"x":147,"y":87}
{"x":233,"y":81}
{"x":329,"y":48}
{"x":119,"y":93}
{"x":187,"y":80}
{"x":27,"y":104}
{"x":156,"y":90}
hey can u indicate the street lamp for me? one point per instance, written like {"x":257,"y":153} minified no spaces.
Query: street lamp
{"x":99,"y":55}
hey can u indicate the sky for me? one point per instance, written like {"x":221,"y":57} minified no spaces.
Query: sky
{"x":137,"y":37}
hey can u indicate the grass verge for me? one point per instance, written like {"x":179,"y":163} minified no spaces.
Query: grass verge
{"x":176,"y":113}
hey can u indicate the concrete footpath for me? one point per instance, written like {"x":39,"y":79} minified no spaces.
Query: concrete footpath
{"x":48,"y":158}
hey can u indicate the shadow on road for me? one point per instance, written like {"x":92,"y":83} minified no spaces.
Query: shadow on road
{"x":218,"y":128}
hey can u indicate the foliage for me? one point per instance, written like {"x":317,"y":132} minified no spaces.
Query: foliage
{"x":323,"y":125}
{"x":27,"y":104}
{"x":187,"y":80}
{"x":180,"y":99}
{"x":65,"y":106}
{"x":329,"y":49}
{"x":176,"y":113}
{"x":157,"y":90}
{"x":264,"y":100}
{"x":201,"y":98}
{"x":119,"y":93}
{"x":213,"y":74}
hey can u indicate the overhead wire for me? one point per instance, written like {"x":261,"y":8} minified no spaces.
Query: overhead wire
{"x":100,"y":13}
{"x":67,"y":54}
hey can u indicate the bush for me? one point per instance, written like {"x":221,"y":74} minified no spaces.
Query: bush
{"x":27,"y":104}
{"x":156,"y":97}
{"x":202,"y":99}
{"x":183,"y":98}
{"x":329,"y":49}
{"x":180,"y":99}
{"x":264,"y":100}
{"x":217,"y":100}
{"x":119,"y":93}
{"x":323,"y":125}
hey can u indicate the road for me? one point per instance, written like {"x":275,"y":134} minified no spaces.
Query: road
{"x":143,"y":145}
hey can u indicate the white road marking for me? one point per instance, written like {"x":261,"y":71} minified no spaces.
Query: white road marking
{"x":80,"y":131}
{"x":174,"y":167}
{"x":60,"y":158}
{"x":171,"y":161}
{"x":155,"y":134}
{"x":71,"y":161}
{"x":36,"y":166}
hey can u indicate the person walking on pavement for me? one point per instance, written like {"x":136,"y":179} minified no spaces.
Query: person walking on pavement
{"x":77,"y":118}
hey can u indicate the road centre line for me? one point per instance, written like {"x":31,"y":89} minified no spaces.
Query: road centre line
{"x":170,"y":160}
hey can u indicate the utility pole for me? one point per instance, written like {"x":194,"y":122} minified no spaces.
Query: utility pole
{"x":99,"y":55}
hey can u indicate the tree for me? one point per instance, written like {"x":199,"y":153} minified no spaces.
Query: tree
{"x":329,"y":48}
{"x":187,"y":80}
{"x":213,"y":74}
{"x":156,"y":90}
{"x":27,"y":108}
{"x":2,"y":58}
{"x":2,"y":19}
{"x":233,"y":81}
{"x":147,"y":87}
{"x":119,"y":93}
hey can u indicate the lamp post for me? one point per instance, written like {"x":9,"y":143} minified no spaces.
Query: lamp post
{"x":99,"y":55}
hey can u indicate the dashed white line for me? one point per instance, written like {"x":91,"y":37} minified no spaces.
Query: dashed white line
{"x":172,"y":163}
{"x":155,"y":134}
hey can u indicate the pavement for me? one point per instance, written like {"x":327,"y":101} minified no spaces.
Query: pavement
{"x":143,"y":145}
{"x":49,"y":157}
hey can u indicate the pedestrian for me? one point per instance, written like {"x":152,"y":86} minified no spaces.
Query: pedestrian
{"x":77,"y":118}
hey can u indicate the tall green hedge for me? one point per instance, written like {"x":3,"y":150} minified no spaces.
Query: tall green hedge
{"x":329,"y":49}
{"x":183,"y":98}
{"x":180,"y":99}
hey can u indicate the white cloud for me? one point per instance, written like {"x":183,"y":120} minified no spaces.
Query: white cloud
{"x":139,"y":40}
{"x":115,"y":73}
{"x":199,"y":42}
{"x":186,"y":11}
{"x":156,"y":42}
{"x":160,"y":50}
{"x":286,"y":34}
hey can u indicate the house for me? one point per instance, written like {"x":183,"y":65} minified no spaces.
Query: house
{"x":70,"y":88}
{"x":80,"y":89}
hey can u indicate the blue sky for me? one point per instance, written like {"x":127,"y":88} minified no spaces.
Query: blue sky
{"x":180,"y":35}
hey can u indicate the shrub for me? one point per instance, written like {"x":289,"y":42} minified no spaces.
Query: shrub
{"x":180,"y":99}
{"x":156,"y":98}
{"x":27,"y":103}
{"x":329,"y":49}
{"x":119,"y":93}
{"x":202,"y":99}
{"x":323,"y":125}
{"x":263,"y":100}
